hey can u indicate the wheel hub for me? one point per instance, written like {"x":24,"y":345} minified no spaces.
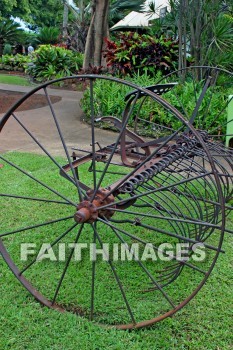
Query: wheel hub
{"x":88,"y":210}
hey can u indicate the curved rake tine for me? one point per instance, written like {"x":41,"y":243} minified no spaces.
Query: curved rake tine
{"x":153,"y":246}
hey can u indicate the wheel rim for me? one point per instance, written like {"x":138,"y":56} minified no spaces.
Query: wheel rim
{"x":177,"y":194}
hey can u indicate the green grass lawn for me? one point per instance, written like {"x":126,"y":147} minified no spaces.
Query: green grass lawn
{"x":204,"y":324}
{"x":14,"y":80}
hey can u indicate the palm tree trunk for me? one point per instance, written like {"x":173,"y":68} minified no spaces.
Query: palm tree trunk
{"x":98,"y":30}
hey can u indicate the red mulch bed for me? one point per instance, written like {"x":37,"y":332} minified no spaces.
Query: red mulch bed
{"x":9,"y":98}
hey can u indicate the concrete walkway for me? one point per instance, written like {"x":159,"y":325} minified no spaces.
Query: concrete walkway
{"x":40,"y":122}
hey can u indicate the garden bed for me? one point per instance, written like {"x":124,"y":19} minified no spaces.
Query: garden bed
{"x":8,"y":98}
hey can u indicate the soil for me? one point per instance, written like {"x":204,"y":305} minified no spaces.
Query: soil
{"x":12,"y":72}
{"x":9,"y":98}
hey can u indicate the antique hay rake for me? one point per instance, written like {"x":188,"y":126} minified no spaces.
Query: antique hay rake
{"x":132,"y":196}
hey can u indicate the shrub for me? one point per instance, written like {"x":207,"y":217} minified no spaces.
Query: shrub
{"x":7,"y":49}
{"x":109,"y":101}
{"x":17,"y":62}
{"x":109,"y":97}
{"x":51,"y":62}
{"x":133,"y":52}
{"x":48,"y":35}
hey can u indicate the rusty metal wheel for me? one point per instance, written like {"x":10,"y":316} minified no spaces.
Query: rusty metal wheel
{"x":138,"y":200}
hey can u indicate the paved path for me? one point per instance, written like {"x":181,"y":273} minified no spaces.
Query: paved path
{"x":39,"y":121}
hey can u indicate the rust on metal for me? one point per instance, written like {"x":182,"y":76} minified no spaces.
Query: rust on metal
{"x":87,"y":211}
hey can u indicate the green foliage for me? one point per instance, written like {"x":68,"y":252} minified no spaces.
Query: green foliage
{"x":182,"y":97}
{"x":29,"y":38}
{"x":37,"y":13}
{"x":219,"y":52}
{"x":132,"y":52}
{"x":109,"y":101}
{"x":205,"y":28}
{"x":10,"y":32}
{"x":51,"y":62}
{"x":48,"y":35}
{"x":7,"y":49}
{"x":10,"y":8}
{"x":109,"y":96}
{"x":17,"y":62}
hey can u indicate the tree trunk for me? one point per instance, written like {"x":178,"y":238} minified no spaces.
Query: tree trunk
{"x":98,"y":30}
{"x":1,"y":47}
{"x":65,"y":20}
{"x":89,"y":47}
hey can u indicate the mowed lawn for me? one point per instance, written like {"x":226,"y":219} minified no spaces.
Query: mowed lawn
{"x":14,"y":80}
{"x":204,"y":324}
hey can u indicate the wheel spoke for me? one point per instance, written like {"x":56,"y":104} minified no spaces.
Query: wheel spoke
{"x":64,"y":144}
{"x":33,"y":198}
{"x":67,"y":265}
{"x":51,"y":245}
{"x":186,"y":239}
{"x":116,"y":277}
{"x":36,"y":226}
{"x":167,"y":218}
{"x":93,"y":133}
{"x":42,"y":147}
{"x":115,"y":146}
{"x":36,"y":180}
{"x":199,"y":101}
{"x":93,"y":277}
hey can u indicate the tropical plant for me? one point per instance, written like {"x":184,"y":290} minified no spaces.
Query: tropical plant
{"x":75,"y":30}
{"x":17,"y":62}
{"x":205,"y":29}
{"x":48,"y":35}
{"x":132,"y":52}
{"x":7,"y":49}
{"x":29,"y":38}
{"x":10,"y":32}
{"x":219,"y":46}
{"x":50,"y":62}
{"x":109,"y":100}
{"x":109,"y":96}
